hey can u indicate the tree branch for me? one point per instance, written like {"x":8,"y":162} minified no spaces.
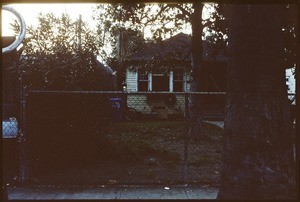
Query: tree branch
{"x":184,"y":11}
{"x":157,"y":15}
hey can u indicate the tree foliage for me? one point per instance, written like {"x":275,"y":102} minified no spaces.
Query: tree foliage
{"x":53,"y":57}
{"x":160,"y":21}
{"x":123,"y":42}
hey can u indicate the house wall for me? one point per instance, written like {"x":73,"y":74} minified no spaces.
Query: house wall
{"x":187,"y":83}
{"x":142,"y":105}
{"x":291,"y":83}
{"x":131,"y":80}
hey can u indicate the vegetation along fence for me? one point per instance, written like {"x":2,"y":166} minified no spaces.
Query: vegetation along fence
{"x":104,"y":138}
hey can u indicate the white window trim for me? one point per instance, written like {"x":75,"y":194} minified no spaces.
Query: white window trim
{"x":184,"y":82}
{"x":136,"y":81}
{"x":171,"y":80}
{"x":171,"y":77}
{"x":150,"y":81}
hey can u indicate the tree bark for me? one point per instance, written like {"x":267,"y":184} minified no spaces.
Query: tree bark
{"x":195,"y":104}
{"x":258,"y":143}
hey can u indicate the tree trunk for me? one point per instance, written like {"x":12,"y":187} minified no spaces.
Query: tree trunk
{"x":195,"y":105}
{"x":258,"y":153}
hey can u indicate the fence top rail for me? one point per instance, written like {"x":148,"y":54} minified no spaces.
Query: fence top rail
{"x":126,"y":92}
{"x":134,"y":92}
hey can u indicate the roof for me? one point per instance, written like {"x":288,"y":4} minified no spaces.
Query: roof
{"x":176,"y":48}
{"x":103,"y":67}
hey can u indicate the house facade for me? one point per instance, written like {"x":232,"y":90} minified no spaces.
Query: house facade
{"x":175,"y":80}
{"x":160,"y":76}
{"x":165,"y":101}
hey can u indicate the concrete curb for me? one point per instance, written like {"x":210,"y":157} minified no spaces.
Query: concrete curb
{"x":30,"y":193}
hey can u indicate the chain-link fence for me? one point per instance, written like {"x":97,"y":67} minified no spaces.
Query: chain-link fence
{"x":10,"y":97}
{"x":117,"y":138}
{"x":10,"y":114}
{"x":109,"y":138}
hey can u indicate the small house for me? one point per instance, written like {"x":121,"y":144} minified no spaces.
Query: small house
{"x":164,"y":69}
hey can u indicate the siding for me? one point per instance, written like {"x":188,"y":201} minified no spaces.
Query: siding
{"x":140,"y":103}
{"x":131,"y":80}
{"x":188,"y":85}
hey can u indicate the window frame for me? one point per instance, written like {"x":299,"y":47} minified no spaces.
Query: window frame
{"x":182,"y":80}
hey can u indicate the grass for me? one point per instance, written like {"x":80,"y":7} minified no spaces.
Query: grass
{"x":164,"y":140}
{"x":141,"y":152}
{"x":135,"y":142}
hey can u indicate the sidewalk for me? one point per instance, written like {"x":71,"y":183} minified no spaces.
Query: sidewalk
{"x":52,"y":193}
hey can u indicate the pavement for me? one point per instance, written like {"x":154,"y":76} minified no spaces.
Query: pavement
{"x":69,"y":193}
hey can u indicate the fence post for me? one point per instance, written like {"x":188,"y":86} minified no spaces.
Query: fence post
{"x":186,"y":137}
{"x":23,"y":135}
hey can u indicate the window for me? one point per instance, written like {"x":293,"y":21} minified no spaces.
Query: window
{"x":142,"y":81}
{"x":160,"y":82}
{"x":178,"y":80}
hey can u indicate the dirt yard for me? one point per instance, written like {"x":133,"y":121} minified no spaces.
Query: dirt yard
{"x":143,"y":153}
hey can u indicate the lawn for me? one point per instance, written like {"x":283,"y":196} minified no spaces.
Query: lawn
{"x":139,"y":153}
{"x":160,"y":144}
